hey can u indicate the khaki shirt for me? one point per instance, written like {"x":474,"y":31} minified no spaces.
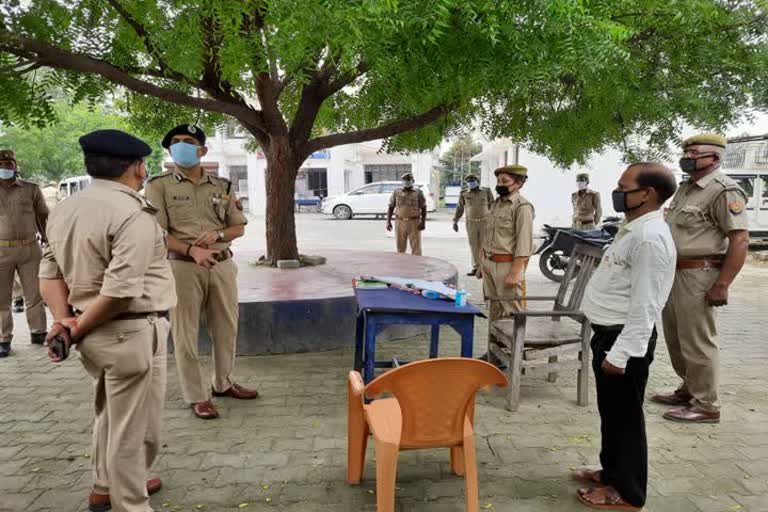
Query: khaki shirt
{"x":586,"y":206}
{"x":703,"y":213}
{"x":509,"y":227}
{"x":476,"y":202}
{"x":408,"y":203}
{"x":187,"y":209}
{"x":23,"y":212}
{"x":105,"y":241}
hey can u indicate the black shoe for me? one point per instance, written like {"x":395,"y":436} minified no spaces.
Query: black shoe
{"x":18,"y":305}
{"x":472,"y":272}
{"x":38,"y":338}
{"x":5,"y":349}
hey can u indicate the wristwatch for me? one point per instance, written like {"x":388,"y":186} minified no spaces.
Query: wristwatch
{"x":221,"y":235}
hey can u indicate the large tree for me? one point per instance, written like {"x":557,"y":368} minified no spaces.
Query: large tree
{"x":566,"y":77}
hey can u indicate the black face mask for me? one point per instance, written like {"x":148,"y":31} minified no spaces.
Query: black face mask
{"x":688,"y":165}
{"x":619,"y":198}
{"x":502,"y":190}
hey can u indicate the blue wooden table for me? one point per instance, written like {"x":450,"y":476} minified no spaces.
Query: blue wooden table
{"x":380,"y":308}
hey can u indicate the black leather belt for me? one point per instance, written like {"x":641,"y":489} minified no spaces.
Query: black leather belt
{"x":134,"y":316}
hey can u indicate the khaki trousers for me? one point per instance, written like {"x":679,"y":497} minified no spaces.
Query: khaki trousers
{"x":691,"y":334}
{"x":214,"y":294}
{"x":407,"y":232}
{"x":127,"y":361}
{"x":502,"y":298}
{"x":475,"y":230}
{"x":24,"y":261}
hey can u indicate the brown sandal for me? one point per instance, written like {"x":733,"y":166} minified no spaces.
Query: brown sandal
{"x":591,"y":476}
{"x":604,"y":498}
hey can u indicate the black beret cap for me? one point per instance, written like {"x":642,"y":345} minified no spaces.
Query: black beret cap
{"x":184,"y":129}
{"x":114,"y":143}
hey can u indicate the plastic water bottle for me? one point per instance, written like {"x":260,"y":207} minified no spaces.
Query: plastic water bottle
{"x":461,"y":298}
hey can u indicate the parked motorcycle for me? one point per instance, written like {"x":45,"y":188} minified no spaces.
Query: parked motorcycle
{"x":555,"y":252}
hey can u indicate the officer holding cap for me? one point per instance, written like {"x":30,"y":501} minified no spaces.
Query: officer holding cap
{"x":23,"y":215}
{"x":709,"y":226}
{"x":105,"y":278}
{"x":587,"y":211}
{"x":476,"y":200}
{"x":411,"y":207}
{"x":202,"y":216}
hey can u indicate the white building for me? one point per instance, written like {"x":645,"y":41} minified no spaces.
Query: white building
{"x":326,"y":173}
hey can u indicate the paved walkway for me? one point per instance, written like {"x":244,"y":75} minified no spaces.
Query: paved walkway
{"x":286,"y":451}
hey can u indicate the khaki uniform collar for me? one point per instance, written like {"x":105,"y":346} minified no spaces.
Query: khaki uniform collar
{"x":180,"y":176}
{"x":512,"y":196}
{"x":16,"y":182}
{"x":113,"y":185}
{"x":703,"y":182}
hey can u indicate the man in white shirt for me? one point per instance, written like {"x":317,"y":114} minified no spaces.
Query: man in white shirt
{"x":622,"y":301}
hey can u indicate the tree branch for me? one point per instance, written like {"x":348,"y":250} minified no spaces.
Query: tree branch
{"x":380,"y":132}
{"x":143,"y":34}
{"x":58,"y":58}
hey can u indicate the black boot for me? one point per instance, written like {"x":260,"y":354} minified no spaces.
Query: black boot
{"x":5,"y":349}
{"x":38,"y":338}
{"x":472,"y":272}
{"x":18,"y":305}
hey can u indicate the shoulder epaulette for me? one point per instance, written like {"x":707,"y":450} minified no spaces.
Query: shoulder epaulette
{"x":161,"y":175}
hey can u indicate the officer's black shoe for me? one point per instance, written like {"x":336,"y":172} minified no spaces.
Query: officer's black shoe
{"x":5,"y":349}
{"x":38,"y":338}
{"x":18,"y":305}
{"x":472,"y":272}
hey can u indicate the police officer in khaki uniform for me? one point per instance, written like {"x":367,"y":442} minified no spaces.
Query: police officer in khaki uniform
{"x":587,"y":211}
{"x":411,"y":207}
{"x":202,"y":216}
{"x":507,"y":244}
{"x":23,"y":215}
{"x":109,"y":286}
{"x":709,"y":225}
{"x":476,"y":200}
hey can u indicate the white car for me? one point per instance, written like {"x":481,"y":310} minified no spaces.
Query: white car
{"x":371,"y":199}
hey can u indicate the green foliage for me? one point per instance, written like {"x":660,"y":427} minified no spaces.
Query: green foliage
{"x":455,"y":164}
{"x":53,"y":152}
{"x":565,"y":77}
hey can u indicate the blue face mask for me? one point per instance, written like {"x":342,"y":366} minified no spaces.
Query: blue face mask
{"x":473,"y":184}
{"x":185,"y":154}
{"x":7,"y":174}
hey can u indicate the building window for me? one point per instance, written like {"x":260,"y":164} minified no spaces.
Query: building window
{"x":311,"y":183}
{"x":238,"y":175}
{"x":761,"y":154}
{"x":735,"y":156}
{"x":385,"y":172}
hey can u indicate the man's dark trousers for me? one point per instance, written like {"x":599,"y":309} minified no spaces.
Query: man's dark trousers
{"x":624,"y":453}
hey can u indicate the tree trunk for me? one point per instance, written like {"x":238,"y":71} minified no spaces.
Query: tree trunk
{"x":280,"y":183}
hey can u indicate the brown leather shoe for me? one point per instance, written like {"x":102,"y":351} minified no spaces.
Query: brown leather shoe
{"x":205,"y":410}
{"x":675,"y":398}
{"x":692,"y":414}
{"x":102,"y":502}
{"x":239,"y":392}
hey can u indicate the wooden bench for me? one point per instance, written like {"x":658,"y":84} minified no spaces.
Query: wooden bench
{"x":532,"y":341}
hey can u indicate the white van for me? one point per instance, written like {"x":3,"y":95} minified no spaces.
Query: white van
{"x":70,"y":186}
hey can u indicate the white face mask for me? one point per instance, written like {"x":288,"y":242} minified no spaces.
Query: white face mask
{"x":408,"y":184}
{"x":7,"y":174}
{"x":582,"y":185}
